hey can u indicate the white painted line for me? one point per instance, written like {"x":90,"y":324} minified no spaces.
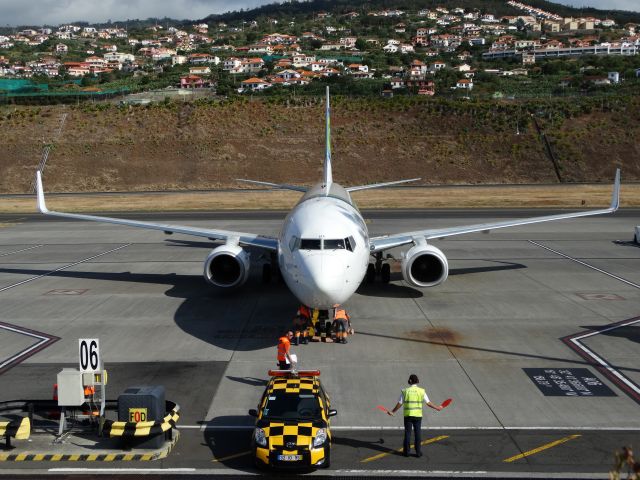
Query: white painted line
{"x":42,"y":341}
{"x":338,"y":428}
{"x":603,"y":362}
{"x":63,"y":268}
{"x":466,"y":473}
{"x":635,"y":285}
{"x":22,"y":250}
{"x":120,"y":470}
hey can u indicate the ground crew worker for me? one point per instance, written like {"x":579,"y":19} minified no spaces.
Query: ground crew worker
{"x":284,"y":354}
{"x":625,"y":458}
{"x":300,"y":330}
{"x":341,"y":324}
{"x":411,"y":398}
{"x":304,"y":312}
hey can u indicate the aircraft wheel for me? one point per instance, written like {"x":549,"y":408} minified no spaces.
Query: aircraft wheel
{"x":385,"y":273}
{"x":636,"y":240}
{"x":266,"y":273}
{"x":371,"y":273}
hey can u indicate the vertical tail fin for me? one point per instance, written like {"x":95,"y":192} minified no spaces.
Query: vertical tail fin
{"x":328,"y":177}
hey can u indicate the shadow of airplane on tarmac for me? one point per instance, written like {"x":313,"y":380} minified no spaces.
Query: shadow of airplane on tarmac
{"x":630,"y":332}
{"x":246,"y":319}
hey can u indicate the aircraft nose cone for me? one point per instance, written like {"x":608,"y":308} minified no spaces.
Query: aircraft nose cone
{"x":327,"y":281}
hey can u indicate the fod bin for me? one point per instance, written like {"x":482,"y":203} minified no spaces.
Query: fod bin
{"x":142,"y":404}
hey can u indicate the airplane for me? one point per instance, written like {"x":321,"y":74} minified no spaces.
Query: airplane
{"x":323,"y":250}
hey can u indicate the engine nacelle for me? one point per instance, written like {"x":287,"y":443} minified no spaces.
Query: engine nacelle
{"x":227,"y":266}
{"x":425,"y":266}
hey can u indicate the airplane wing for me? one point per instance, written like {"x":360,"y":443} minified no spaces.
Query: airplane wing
{"x":386,"y":242}
{"x":268,"y":243}
{"x":282,"y":186}
{"x":379,"y":185}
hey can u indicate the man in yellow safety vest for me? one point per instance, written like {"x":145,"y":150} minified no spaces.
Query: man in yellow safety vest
{"x":411,"y":398}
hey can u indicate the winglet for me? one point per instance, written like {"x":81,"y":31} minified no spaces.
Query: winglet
{"x":328,"y":176}
{"x":41,"y":205}
{"x":615,"y":196}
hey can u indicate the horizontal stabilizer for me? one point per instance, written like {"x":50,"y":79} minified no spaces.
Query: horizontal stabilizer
{"x":379,"y":185}
{"x":283,"y":186}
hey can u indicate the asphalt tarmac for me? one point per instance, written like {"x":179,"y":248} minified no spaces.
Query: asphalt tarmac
{"x":534,"y":335}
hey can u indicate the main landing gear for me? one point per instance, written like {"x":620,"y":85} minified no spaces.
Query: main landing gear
{"x":379,"y":268}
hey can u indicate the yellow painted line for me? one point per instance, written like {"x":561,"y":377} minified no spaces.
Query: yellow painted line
{"x":229,"y":457}
{"x":74,"y":458}
{"x":147,"y":457}
{"x":541,"y":448}
{"x":92,"y":458}
{"x":57,"y":457}
{"x":399,"y":450}
{"x":38,"y":457}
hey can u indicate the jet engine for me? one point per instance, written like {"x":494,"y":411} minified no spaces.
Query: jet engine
{"x":425,"y":266}
{"x":227,"y":266}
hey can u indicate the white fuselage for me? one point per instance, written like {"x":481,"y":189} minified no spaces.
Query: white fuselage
{"x":323,"y":249}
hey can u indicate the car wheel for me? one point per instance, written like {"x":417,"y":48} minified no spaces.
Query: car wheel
{"x":327,"y":462}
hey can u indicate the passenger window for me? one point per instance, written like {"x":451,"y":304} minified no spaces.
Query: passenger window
{"x":337,"y":244}
{"x":310,"y":244}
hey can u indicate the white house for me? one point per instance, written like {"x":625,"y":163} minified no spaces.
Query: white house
{"x":255,"y":84}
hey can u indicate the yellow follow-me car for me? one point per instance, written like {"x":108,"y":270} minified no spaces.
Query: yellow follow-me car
{"x":292,"y":426}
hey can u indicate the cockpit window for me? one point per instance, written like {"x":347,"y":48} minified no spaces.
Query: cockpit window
{"x":310,"y":244}
{"x":350,"y":243}
{"x":331,"y":244}
{"x":293,"y":243}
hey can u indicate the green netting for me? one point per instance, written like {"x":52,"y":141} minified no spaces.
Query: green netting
{"x":20,"y":84}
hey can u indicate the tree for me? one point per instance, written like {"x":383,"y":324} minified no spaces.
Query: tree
{"x":361,"y":44}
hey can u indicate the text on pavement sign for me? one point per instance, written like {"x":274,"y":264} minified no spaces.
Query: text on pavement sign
{"x":568,"y":382}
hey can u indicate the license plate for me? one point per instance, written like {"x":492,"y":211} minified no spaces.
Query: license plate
{"x":289,"y":458}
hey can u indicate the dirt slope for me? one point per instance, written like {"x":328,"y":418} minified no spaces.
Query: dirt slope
{"x":201,"y":146}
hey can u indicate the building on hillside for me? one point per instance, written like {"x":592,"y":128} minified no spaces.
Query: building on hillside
{"x":255,"y":84}
{"x":193,"y":81}
{"x":465,"y":83}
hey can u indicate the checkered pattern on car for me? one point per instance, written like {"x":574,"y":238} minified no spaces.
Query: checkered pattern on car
{"x":294,"y":385}
{"x":290,"y":438}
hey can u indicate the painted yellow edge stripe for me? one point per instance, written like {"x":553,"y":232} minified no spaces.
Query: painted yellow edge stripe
{"x":229,"y":457}
{"x":397,"y":450}
{"x":541,"y":448}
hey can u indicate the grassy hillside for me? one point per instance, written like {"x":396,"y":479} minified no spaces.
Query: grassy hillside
{"x":208,"y":145}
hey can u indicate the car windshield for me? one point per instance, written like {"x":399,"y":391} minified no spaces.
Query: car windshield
{"x":293,"y":406}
